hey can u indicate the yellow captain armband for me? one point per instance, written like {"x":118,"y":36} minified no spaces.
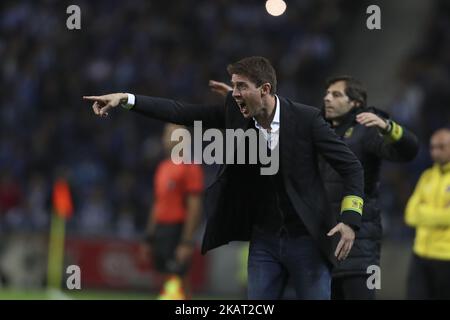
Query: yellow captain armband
{"x":353,"y":203}
{"x":395,"y":132}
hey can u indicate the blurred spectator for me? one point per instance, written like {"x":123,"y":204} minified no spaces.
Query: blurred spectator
{"x":428,"y":212}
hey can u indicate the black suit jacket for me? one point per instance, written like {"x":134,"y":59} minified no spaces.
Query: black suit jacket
{"x":231,"y":199}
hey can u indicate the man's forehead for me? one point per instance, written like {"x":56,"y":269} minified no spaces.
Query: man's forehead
{"x":337,"y":86}
{"x":440,"y":139}
{"x":235,"y":78}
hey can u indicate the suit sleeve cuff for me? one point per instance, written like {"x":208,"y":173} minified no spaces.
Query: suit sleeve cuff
{"x":352,"y":219}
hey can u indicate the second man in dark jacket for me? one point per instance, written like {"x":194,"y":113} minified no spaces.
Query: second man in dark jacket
{"x":372,"y":137}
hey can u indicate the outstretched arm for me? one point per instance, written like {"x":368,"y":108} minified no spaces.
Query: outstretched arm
{"x":159,"y":108}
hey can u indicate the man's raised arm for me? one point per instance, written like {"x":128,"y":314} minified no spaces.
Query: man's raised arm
{"x":160,"y":108}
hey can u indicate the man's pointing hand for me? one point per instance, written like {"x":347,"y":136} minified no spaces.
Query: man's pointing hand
{"x":101,"y":104}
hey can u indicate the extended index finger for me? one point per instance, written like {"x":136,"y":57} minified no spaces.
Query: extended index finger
{"x":93,"y":98}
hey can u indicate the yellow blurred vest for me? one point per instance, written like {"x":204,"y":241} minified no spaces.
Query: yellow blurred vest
{"x":428,"y":210}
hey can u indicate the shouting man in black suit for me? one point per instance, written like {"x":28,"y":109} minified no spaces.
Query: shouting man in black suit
{"x":292,"y":231}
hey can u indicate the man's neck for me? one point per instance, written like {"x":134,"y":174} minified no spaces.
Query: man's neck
{"x":265,"y":118}
{"x":338,"y":121}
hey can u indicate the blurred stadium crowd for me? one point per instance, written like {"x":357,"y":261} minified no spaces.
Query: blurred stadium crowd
{"x":156,"y":48}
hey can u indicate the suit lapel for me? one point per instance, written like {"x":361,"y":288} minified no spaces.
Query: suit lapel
{"x":237,"y":121}
{"x":287,"y":131}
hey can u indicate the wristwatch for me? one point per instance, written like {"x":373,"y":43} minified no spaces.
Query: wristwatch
{"x":389,"y":126}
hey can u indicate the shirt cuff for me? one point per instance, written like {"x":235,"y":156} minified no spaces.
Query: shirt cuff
{"x":130,"y":102}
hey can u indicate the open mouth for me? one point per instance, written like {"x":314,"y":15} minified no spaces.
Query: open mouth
{"x":243,"y":107}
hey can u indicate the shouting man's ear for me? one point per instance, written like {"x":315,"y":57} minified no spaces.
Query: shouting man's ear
{"x":265,"y":89}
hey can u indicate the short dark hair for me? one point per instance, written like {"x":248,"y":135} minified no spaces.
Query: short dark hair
{"x":257,"y":69}
{"x":354,"y":88}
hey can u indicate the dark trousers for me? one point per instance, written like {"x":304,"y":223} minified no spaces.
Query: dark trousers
{"x":351,"y":288}
{"x":166,"y":239}
{"x":428,"y":279}
{"x":275,"y":258}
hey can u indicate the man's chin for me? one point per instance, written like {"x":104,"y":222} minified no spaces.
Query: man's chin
{"x":246,"y":115}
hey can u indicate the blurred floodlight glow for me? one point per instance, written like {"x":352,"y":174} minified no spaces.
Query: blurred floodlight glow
{"x":275,"y":7}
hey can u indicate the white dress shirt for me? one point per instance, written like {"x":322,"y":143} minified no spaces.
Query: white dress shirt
{"x":272,"y":135}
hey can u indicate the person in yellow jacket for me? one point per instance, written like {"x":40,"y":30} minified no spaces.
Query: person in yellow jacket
{"x":428,"y":210}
